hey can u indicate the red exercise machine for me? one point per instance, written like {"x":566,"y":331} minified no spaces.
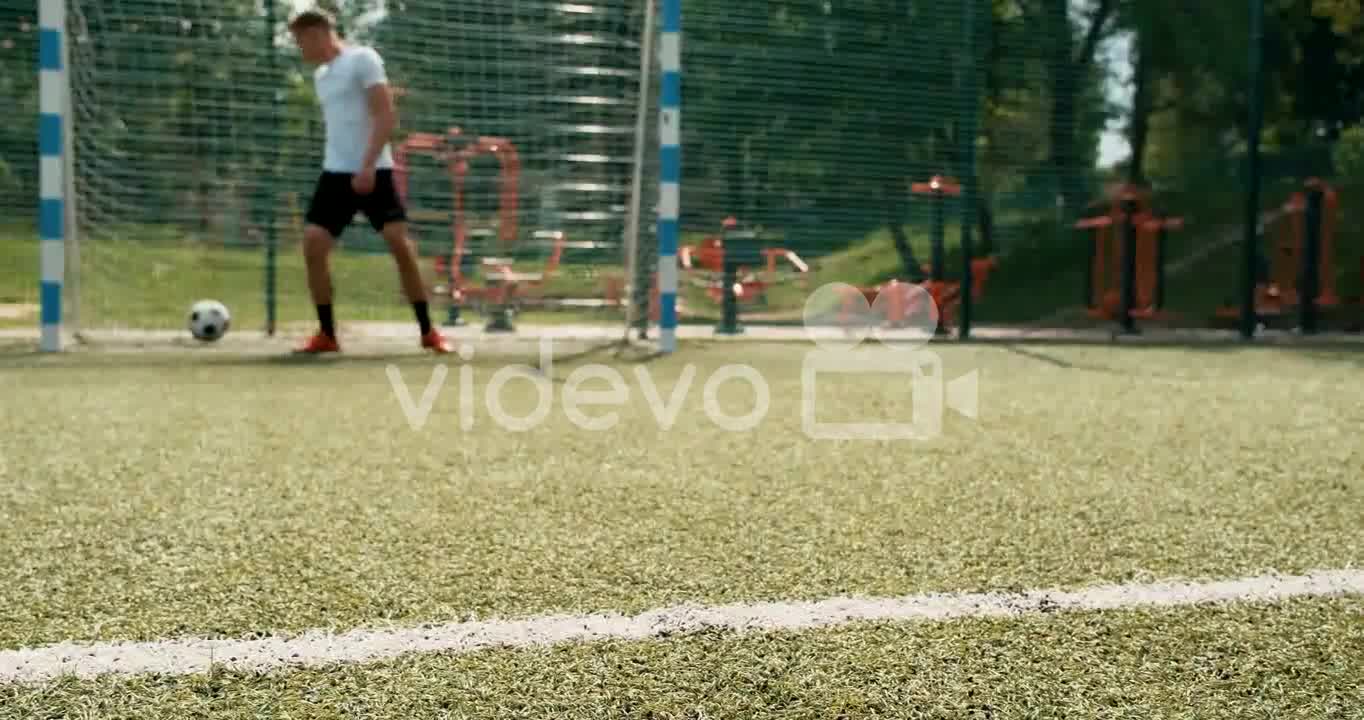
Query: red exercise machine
{"x":503,"y":285}
{"x":1130,"y":225}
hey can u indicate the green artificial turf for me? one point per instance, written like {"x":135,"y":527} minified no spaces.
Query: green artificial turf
{"x":1300,"y":660}
{"x":208,"y":494}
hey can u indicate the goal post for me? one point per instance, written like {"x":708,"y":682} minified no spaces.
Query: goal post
{"x":632,"y":223}
{"x":54,"y":134}
{"x":193,"y":140}
{"x":670,"y":171}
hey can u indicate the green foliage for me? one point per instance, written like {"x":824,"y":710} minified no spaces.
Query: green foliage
{"x":812,"y":117}
{"x":1348,"y":155}
{"x":8,"y":182}
{"x":1344,"y":14}
{"x":798,"y":107}
{"x":1194,"y":118}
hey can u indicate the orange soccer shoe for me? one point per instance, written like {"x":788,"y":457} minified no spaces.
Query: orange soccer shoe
{"x":436,"y":342}
{"x":318,"y":344}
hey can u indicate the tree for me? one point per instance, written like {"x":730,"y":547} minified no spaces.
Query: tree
{"x":1189,"y":69}
{"x":1071,"y":65}
{"x":1344,"y":15}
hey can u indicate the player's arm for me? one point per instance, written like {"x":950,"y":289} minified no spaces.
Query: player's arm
{"x":382,"y":109}
{"x":385,"y":115}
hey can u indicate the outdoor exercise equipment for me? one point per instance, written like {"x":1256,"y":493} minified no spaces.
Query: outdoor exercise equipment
{"x":504,"y":287}
{"x":1125,"y":275}
{"x":899,"y":302}
{"x":749,"y":285}
{"x":615,"y":289}
{"x":944,"y":293}
{"x":737,"y":269}
{"x":1357,"y":301}
{"x":1299,"y":275}
{"x":938,"y":189}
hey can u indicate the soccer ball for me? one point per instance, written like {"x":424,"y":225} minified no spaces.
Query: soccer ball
{"x":209,"y":320}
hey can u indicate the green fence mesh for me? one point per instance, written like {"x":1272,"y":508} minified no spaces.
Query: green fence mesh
{"x":819,"y":124}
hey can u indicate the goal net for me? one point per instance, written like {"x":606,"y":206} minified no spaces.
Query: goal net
{"x":197,"y":141}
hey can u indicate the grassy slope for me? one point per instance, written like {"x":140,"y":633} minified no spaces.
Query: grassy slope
{"x":1043,"y":275}
{"x":149,"y":284}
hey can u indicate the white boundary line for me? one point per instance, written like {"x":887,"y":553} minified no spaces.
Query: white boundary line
{"x":313,"y":649}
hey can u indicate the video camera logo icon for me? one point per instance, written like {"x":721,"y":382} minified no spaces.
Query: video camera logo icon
{"x":963,"y":395}
{"x":838,"y":318}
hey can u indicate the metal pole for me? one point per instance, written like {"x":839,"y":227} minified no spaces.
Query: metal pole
{"x":670,"y":170}
{"x":938,"y":267}
{"x":633,"y":275}
{"x":71,"y":304}
{"x":1128,"y":257}
{"x":968,"y":190}
{"x":1309,"y":277}
{"x":1091,"y":240}
{"x":271,"y":241}
{"x":1252,"y":209}
{"x":54,"y":89}
{"x":1162,"y":242}
{"x":740,"y":247}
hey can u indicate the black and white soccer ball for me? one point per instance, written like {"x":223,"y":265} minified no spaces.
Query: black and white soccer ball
{"x":209,"y":320}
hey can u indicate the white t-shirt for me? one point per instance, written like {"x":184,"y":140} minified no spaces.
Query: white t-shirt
{"x":343,"y":89}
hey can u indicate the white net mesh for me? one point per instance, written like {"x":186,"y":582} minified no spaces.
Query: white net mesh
{"x":198,"y":141}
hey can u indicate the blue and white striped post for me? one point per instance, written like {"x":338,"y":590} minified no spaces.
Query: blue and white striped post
{"x":52,"y":94}
{"x":670,"y":170}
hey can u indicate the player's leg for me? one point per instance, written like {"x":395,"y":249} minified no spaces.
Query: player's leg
{"x":329,"y":213}
{"x":405,"y":257}
{"x":317,"y":246}
{"x":386,"y":213}
{"x":409,"y":271}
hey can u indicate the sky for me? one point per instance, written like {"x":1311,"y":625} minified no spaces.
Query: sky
{"x":1113,"y":147}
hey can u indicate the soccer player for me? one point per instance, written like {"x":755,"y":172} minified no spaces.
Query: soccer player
{"x":357,"y":171}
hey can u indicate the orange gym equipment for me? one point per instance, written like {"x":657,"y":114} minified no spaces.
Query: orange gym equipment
{"x":615,"y":288}
{"x":899,"y":304}
{"x":504,"y":286}
{"x":1130,"y":219}
{"x":750,"y":286}
{"x":1298,"y":226}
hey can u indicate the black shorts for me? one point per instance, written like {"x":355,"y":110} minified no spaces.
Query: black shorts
{"x":335,"y":202}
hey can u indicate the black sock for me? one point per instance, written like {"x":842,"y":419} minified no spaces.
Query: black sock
{"x":423,"y":316}
{"x":324,"y":318}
